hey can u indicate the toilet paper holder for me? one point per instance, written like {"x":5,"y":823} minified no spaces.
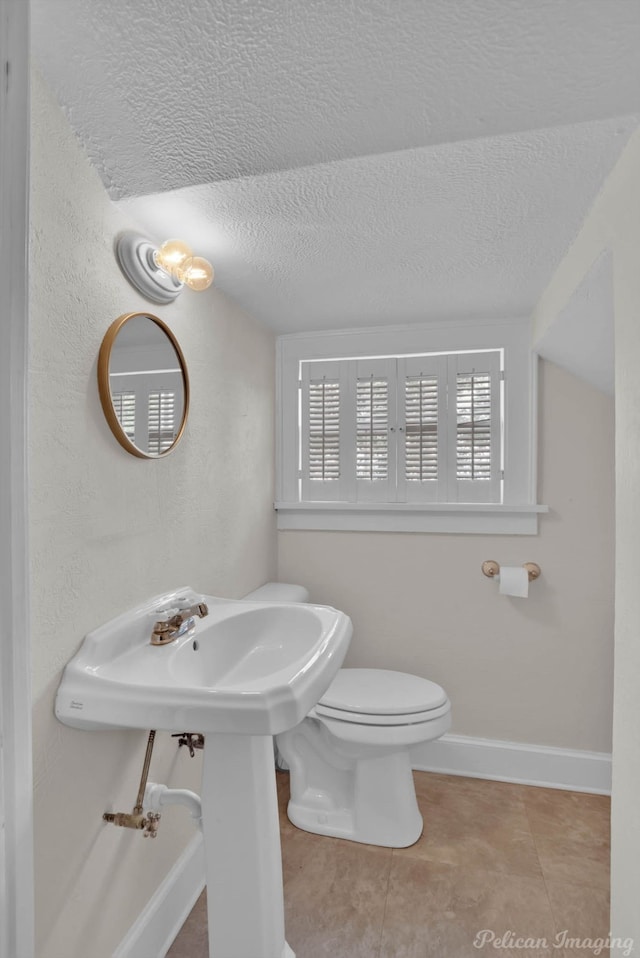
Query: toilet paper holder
{"x":491,"y":568}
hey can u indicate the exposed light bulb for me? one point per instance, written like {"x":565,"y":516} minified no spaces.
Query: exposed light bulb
{"x":172,"y":256}
{"x":197,"y":273}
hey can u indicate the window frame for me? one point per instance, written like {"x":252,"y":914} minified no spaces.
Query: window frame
{"x":518,"y":511}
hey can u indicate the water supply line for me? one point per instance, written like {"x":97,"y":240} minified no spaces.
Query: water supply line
{"x":136,"y":819}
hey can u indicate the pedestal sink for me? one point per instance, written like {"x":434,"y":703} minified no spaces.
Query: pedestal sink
{"x":242,"y":674}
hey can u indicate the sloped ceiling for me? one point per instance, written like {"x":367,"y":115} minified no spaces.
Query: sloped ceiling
{"x":353,"y":162}
{"x":581,"y":339}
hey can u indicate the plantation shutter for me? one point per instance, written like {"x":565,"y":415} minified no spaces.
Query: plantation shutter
{"x":124,"y":404}
{"x":327,"y":432}
{"x":401,"y":429}
{"x":422,"y":439}
{"x":474,"y":425}
{"x":150,"y":408}
{"x":162,"y":420}
{"x":375,"y":394}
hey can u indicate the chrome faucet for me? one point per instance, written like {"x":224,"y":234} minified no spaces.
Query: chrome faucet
{"x":177,"y":623}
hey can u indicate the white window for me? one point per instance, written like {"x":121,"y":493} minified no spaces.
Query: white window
{"x":418,"y":439}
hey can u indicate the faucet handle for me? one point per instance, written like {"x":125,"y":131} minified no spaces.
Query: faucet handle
{"x":186,"y":612}
{"x":166,"y":612}
{"x":182,"y":607}
{"x":200,"y":609}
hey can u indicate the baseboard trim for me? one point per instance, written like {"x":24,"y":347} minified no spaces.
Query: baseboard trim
{"x":154,"y":930}
{"x":576,"y":770}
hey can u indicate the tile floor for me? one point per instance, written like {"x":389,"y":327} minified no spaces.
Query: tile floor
{"x":533,"y":862}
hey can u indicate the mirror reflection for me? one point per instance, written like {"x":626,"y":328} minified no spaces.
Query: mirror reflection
{"x":143,"y":379}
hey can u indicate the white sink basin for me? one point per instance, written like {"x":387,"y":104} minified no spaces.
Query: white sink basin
{"x":248,"y":668}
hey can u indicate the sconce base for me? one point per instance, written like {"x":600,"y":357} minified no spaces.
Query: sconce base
{"x":135,"y":258}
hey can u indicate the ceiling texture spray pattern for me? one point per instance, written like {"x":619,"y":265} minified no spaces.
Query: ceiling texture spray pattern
{"x":348,"y":162}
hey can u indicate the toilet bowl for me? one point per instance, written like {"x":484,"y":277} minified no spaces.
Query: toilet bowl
{"x":349,"y":759}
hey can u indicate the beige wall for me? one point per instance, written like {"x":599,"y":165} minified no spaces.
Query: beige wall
{"x":537,"y":670}
{"x":108,"y":530}
{"x":614,"y":223}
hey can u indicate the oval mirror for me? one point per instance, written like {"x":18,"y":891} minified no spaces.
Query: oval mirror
{"x":143,"y":385}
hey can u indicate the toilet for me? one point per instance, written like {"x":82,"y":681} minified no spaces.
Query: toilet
{"x":349,"y":759}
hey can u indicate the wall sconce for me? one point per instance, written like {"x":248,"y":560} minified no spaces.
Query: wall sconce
{"x":161,"y":274}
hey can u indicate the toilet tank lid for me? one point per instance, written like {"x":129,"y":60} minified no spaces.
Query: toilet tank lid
{"x":382,"y":692}
{"x":279,"y":592}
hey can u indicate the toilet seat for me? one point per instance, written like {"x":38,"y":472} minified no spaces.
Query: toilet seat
{"x":383,"y":698}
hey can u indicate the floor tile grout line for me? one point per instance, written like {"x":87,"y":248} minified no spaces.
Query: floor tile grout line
{"x":552,"y":912}
{"x":542,"y":872}
{"x":488,"y":868}
{"x":578,"y":884}
{"x":386,"y":899}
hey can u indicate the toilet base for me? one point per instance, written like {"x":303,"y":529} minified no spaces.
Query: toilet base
{"x":340,"y":824}
{"x":373,"y":801}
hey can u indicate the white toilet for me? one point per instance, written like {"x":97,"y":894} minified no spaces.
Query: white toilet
{"x":349,"y":759}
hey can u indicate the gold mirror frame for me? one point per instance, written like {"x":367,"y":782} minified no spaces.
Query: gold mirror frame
{"x":104,"y":386}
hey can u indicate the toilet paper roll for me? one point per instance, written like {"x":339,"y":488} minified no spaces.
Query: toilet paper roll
{"x":514,"y":580}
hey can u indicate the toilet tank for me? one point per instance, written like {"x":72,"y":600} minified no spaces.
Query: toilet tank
{"x":279,"y":592}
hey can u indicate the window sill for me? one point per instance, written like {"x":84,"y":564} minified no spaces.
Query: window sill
{"x":465,"y":518}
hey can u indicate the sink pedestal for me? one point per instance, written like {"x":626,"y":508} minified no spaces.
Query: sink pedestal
{"x":242,"y":848}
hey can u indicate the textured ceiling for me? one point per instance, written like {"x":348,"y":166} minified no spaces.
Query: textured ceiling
{"x":353,"y":161}
{"x":469,"y":229}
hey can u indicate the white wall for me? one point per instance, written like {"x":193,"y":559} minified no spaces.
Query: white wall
{"x":614,"y":224}
{"x":16,"y":776}
{"x":537,"y":670}
{"x":108,"y":529}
